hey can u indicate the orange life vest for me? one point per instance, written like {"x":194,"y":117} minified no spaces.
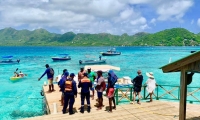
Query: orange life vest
{"x":68,"y":86}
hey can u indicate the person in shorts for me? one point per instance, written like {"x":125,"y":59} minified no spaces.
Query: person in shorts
{"x":92,"y":77}
{"x":99,"y":88}
{"x":137,"y":85}
{"x":50,"y":74}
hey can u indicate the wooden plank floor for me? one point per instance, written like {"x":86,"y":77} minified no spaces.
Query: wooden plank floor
{"x":157,"y":110}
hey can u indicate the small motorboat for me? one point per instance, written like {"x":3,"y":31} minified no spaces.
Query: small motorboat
{"x":111,"y":52}
{"x":61,"y":57}
{"x":8,"y":60}
{"x":92,"y":61}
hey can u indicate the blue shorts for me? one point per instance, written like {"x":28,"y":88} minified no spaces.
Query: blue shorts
{"x":100,"y":94}
{"x":92,"y":88}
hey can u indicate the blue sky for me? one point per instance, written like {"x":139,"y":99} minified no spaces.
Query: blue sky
{"x":101,"y":16}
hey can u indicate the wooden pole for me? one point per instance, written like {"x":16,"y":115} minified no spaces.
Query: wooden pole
{"x":183,"y":95}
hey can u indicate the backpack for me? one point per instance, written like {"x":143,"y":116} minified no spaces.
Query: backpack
{"x":52,"y":71}
{"x":103,"y":85}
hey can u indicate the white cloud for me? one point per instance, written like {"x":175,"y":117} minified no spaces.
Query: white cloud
{"x":153,"y":21}
{"x":90,"y":16}
{"x":173,"y":9}
{"x":192,"y":22}
{"x":198,"y":22}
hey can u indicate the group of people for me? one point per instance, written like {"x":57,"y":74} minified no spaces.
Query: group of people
{"x":20,"y":74}
{"x":86,"y":80}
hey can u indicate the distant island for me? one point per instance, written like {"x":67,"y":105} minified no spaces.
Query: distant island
{"x":41,"y":37}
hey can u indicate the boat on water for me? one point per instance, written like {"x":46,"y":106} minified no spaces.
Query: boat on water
{"x":61,"y":57}
{"x":92,"y":61}
{"x":111,"y":52}
{"x":8,"y":60}
{"x":15,"y":78}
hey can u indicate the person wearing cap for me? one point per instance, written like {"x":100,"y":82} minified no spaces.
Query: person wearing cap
{"x":59,"y":78}
{"x":80,"y":74}
{"x":50,"y":74}
{"x":85,"y":84}
{"x":92,"y":77}
{"x":151,"y":84}
{"x":137,"y":85}
{"x":70,"y":93}
{"x":99,"y":88}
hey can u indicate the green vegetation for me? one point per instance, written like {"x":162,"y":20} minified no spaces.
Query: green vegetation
{"x":41,"y":37}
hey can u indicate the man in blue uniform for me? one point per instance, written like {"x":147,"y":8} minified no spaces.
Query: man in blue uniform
{"x":50,"y":74}
{"x":70,"y":93}
{"x":85,"y":85}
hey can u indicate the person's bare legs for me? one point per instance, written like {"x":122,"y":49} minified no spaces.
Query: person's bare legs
{"x":151,"y":96}
{"x":138,"y":98}
{"x":113,"y":99}
{"x":110,"y":104}
{"x":134,"y":95}
{"x":92,"y":94}
{"x":49,"y":88}
{"x":52,"y":87}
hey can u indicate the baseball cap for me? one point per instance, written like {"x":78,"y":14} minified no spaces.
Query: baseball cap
{"x":89,"y":68}
{"x":72,"y":74}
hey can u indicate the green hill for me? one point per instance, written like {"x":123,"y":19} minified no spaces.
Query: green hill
{"x":41,"y":37}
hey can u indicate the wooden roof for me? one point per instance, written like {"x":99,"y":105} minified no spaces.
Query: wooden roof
{"x":189,"y":62}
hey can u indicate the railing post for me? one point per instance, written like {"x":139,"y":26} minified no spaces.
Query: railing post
{"x":179,"y":93}
{"x":131,"y":93}
{"x":117,"y":96}
{"x":157,"y":92}
{"x":144,"y":92}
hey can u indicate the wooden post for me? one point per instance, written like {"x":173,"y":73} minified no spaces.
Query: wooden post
{"x":183,"y":95}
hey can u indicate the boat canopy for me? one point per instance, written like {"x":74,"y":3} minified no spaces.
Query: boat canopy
{"x":104,"y":68}
{"x":9,"y":56}
{"x":64,"y":54}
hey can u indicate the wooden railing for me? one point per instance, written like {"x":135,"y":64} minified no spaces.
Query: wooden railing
{"x":124,"y":93}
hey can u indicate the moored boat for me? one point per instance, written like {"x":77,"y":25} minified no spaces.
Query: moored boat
{"x":92,"y":61}
{"x":61,"y":57}
{"x":111,"y":52}
{"x":8,"y":60}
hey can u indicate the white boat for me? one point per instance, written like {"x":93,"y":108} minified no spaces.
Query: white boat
{"x":61,"y":57}
{"x":92,"y":61}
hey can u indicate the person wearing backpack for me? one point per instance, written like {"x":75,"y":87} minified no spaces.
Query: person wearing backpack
{"x":100,"y":88}
{"x":50,"y":74}
{"x":112,"y":79}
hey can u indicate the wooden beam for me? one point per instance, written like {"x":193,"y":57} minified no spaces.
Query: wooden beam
{"x":183,"y":95}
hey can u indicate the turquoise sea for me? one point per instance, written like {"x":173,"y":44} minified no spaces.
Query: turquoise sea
{"x":22,"y":98}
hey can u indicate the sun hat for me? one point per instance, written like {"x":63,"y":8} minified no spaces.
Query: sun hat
{"x":150,"y":74}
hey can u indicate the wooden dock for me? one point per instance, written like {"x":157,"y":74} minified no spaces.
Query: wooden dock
{"x":157,"y":110}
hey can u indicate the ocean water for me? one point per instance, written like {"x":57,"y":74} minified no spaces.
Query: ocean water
{"x":22,"y":98}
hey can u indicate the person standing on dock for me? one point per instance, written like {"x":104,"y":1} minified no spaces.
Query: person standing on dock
{"x":70,"y":93}
{"x":112,"y":79}
{"x":80,"y":74}
{"x":137,"y":85}
{"x":50,"y":74}
{"x":151,"y":84}
{"x":100,"y":88}
{"x":85,"y":84}
{"x":92,"y":77}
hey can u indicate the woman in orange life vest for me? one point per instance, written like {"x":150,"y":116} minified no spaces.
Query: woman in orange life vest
{"x":85,"y":85}
{"x":70,"y":93}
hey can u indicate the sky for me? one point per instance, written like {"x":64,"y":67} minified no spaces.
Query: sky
{"x":100,"y":16}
